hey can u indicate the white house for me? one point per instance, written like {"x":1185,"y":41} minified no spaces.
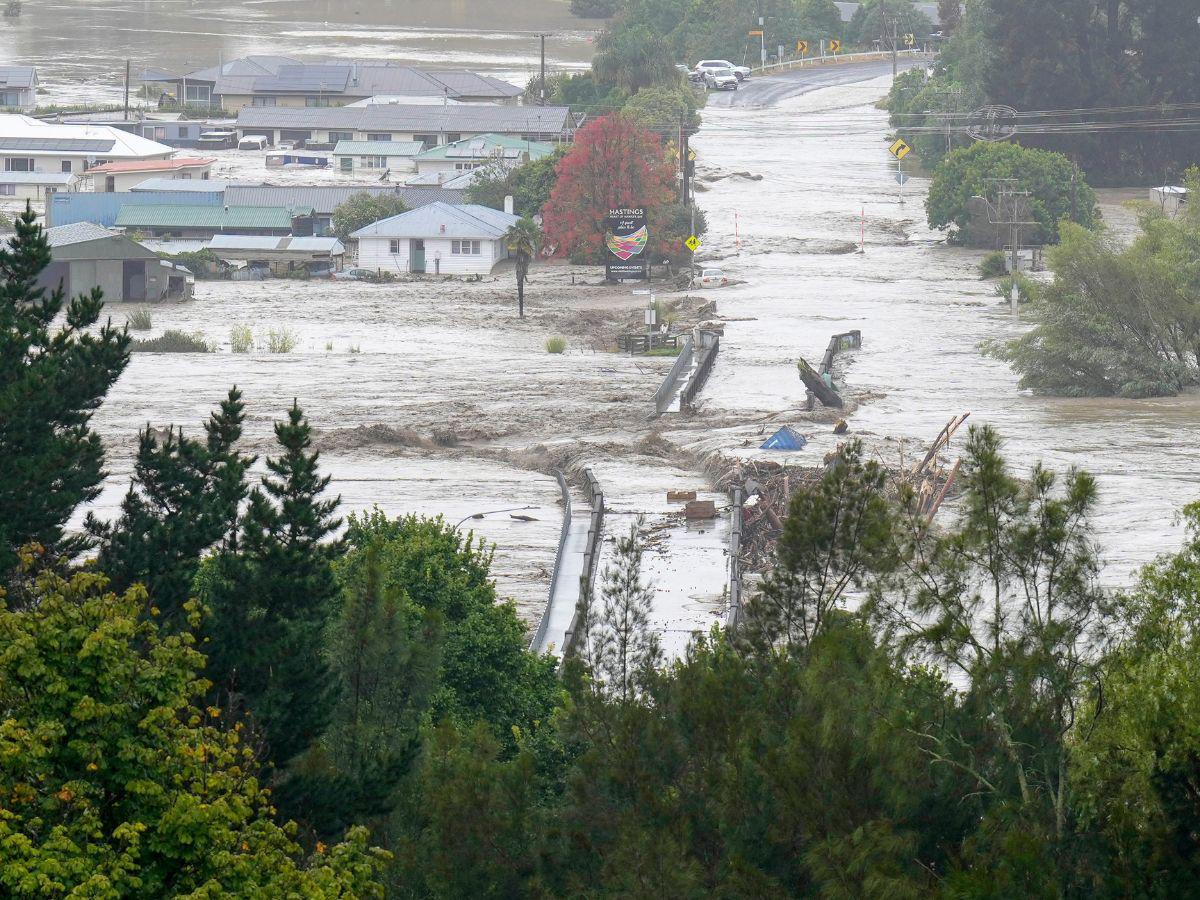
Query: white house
{"x":35,"y":185}
{"x":437,"y":238}
{"x":30,"y":145}
{"x":376,"y":157}
{"x":507,"y":151}
{"x":126,"y":175}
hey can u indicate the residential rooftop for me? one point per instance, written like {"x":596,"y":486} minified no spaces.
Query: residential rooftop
{"x":443,"y":221}
{"x":153,"y":165}
{"x":76,"y":233}
{"x":187,"y":216}
{"x":35,"y":137}
{"x":489,"y":146}
{"x":378,"y":148}
{"x":412,"y":118}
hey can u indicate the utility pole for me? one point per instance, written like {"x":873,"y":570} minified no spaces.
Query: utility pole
{"x":542,"y":76}
{"x":895,"y":38}
{"x":126,"y":90}
{"x":1011,"y":210}
{"x":683,"y":156}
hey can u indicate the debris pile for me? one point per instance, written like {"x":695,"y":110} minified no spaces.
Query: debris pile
{"x":769,"y":485}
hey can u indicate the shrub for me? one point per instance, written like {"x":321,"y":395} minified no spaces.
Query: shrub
{"x":174,"y":341}
{"x":556,"y":344}
{"x":139,"y":320}
{"x":281,"y":340}
{"x":241,"y":339}
{"x":993,"y":265}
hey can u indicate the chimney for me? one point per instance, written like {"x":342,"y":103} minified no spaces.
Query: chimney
{"x":508,"y":204}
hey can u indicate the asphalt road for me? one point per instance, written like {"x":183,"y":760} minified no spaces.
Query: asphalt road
{"x":760,"y":91}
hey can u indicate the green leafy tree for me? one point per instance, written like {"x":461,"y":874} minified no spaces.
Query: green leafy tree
{"x":117,"y":784}
{"x":819,"y":20}
{"x":183,"y":500}
{"x":584,"y":92}
{"x":620,"y":646}
{"x":529,"y":184}
{"x":1116,"y":320}
{"x":361,"y":210}
{"x":1056,"y":188}
{"x":949,"y":14}
{"x":594,"y":9}
{"x":522,"y":240}
{"x":1008,"y":599}
{"x":881,"y":20}
{"x":836,"y":534}
{"x":272,"y":600}
{"x":51,"y":380}
{"x":633,"y":57}
{"x":664,"y":109}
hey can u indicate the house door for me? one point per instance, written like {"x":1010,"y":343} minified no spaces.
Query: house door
{"x":110,"y":184}
{"x":133,"y":279}
{"x":416,"y":255}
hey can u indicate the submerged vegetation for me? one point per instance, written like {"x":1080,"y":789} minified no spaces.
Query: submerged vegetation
{"x":173,"y":341}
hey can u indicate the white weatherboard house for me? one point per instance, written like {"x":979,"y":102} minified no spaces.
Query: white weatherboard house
{"x":30,"y":145}
{"x":436,"y":238}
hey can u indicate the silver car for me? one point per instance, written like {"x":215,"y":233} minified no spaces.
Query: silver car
{"x":721,"y":79}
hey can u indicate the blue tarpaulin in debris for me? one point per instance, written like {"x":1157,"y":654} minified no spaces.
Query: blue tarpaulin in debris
{"x":786,"y":438}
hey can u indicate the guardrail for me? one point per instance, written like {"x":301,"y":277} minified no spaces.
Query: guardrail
{"x":710,"y":346}
{"x":540,"y":636}
{"x":847,"y":340}
{"x":683,"y":362}
{"x":591,"y":555}
{"x":733,"y":617}
{"x":839,"y":59}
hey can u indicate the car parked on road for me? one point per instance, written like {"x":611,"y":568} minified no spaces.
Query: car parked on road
{"x":742,"y":72}
{"x":720,"y":79}
{"x":713,"y":278}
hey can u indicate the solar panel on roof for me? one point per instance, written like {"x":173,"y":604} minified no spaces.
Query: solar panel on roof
{"x":67,"y":145}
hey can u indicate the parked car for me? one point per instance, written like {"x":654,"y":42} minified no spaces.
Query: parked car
{"x":720,"y":79}
{"x":217,"y":140}
{"x":742,"y":72}
{"x":253,"y":142}
{"x":713,"y":278}
{"x":356,"y":275}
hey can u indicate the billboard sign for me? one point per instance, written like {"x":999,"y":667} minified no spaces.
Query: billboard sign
{"x":626,"y":236}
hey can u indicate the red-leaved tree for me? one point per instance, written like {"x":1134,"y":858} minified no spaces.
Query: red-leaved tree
{"x":614,"y":163}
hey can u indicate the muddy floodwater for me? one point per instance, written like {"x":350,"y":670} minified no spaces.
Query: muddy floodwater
{"x":80,"y":46}
{"x":922,"y":310}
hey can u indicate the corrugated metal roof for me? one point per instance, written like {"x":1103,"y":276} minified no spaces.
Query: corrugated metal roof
{"x":23,"y":133}
{"x":191,"y":185}
{"x":378,"y":148}
{"x":442,"y":220}
{"x":324,"y":199}
{"x":63,"y":178}
{"x":48,"y":144}
{"x":180,"y":216}
{"x":411,"y":118}
{"x":485,"y":146}
{"x":78,"y":233}
{"x":229,"y":242}
{"x":18,"y":76}
{"x":154,"y":165}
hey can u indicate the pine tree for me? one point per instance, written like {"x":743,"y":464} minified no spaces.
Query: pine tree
{"x":50,"y":383}
{"x":620,"y":647}
{"x":184,"y":499}
{"x":271,"y":600}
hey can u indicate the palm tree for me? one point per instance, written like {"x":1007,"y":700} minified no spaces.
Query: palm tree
{"x":523,"y":239}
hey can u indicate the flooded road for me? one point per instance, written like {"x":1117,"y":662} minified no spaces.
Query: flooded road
{"x":920,"y":305}
{"x":80,"y":46}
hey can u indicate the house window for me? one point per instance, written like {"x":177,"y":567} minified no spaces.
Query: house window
{"x":18,"y":164}
{"x":262,"y":101}
{"x":451,"y":137}
{"x":426,"y":140}
{"x":316,"y":101}
{"x":347,"y":163}
{"x":466,"y":166}
{"x":199,"y":93}
{"x":204,"y":176}
{"x":464,"y":248}
{"x":379,"y":136}
{"x":66,"y":166}
{"x":182,"y":131}
{"x":186,"y":176}
{"x":373,"y":162}
{"x":160,"y":132}
{"x":335,"y":136}
{"x":394,"y":246}
{"x":10,"y":98}
{"x":8,"y":190}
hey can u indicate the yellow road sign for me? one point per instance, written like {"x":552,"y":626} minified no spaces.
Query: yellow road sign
{"x":691,"y":155}
{"x":801,"y":46}
{"x":692,"y":243}
{"x":754,"y":33}
{"x":835,"y":46}
{"x":899,"y":149}
{"x":910,"y":40}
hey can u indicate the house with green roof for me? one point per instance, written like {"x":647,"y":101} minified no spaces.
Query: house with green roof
{"x":196,"y":221}
{"x":450,"y":160}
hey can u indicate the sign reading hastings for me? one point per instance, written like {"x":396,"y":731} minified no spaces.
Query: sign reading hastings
{"x":626,"y":236}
